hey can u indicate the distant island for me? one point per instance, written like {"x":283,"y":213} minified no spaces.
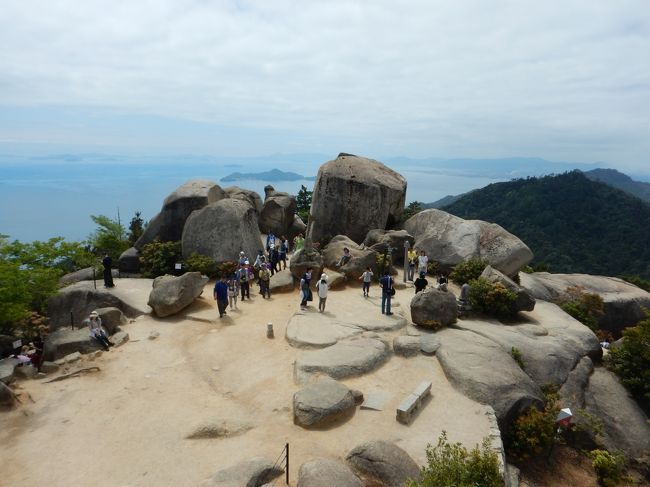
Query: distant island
{"x":274,"y":175}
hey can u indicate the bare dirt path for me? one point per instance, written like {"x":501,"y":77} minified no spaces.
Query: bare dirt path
{"x":126,"y":425}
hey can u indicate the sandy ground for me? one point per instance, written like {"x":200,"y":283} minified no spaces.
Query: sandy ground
{"x":126,"y":425}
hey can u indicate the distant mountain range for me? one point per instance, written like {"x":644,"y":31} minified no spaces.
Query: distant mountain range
{"x":274,"y":175}
{"x":570,"y":222}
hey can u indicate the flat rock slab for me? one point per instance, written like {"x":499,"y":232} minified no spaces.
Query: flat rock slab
{"x":410,"y":346}
{"x":375,"y":400}
{"x":317,"y":330}
{"x":348,"y":358}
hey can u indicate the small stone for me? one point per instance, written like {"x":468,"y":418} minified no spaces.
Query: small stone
{"x":357,"y":395}
{"x":72,"y":357}
{"x":120,"y":338}
{"x":216,"y":368}
{"x":153,"y":335}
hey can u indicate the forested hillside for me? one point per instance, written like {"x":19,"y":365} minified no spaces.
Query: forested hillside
{"x":571,"y":223}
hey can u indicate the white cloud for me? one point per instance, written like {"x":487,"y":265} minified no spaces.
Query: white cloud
{"x":556,"y":79}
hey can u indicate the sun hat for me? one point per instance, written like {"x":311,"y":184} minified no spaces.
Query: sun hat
{"x":323,"y":277}
{"x":94,"y":313}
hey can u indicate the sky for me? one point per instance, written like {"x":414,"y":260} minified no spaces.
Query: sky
{"x":562,"y":80}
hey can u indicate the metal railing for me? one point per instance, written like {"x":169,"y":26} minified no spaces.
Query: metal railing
{"x":283,"y":458}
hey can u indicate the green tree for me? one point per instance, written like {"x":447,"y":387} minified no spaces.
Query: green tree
{"x":110,"y":236}
{"x":413,"y":208}
{"x":159,"y":258}
{"x":136,"y":227}
{"x":303,"y":203}
{"x":451,"y":465}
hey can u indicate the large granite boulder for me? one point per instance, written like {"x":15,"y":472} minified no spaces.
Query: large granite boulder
{"x":7,"y":367}
{"x":81,"y":298}
{"x":282,"y":282}
{"x":170,"y":294}
{"x":525,"y":301}
{"x":380,"y":240}
{"x":129,"y":262}
{"x":353,"y":195}
{"x":278,"y":212}
{"x":297,"y":227}
{"x":448,"y":240}
{"x":434,"y":309}
{"x":86,"y":274}
{"x":7,"y":397}
{"x":485,"y":372}
{"x":65,"y":341}
{"x":112,"y":319}
{"x":361,"y":257}
{"x":251,"y":197}
{"x":383,"y":463}
{"x":322,"y":403}
{"x":221,"y":230}
{"x":177,"y":207}
{"x":626,"y":427}
{"x":623,"y":301}
{"x":255,"y":472}
{"x":347,"y":358}
{"x":324,"y":472}
{"x":304,"y":259}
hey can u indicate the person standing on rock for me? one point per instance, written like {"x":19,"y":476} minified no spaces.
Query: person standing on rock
{"x":366,"y":278}
{"x":305,"y":292}
{"x":265,"y":281}
{"x":421,"y":283}
{"x":243,"y":277}
{"x":284,"y":250}
{"x":233,"y":290}
{"x":298,"y":242}
{"x":423,"y":262}
{"x":387,"y":291}
{"x":221,"y":295}
{"x":107,"y":262}
{"x":412,"y":257}
{"x":274,"y":258}
{"x":322,"y":288}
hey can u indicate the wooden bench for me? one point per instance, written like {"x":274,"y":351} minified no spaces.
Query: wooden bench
{"x":412,"y":402}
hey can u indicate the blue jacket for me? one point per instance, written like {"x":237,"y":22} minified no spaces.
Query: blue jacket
{"x":221,"y":290}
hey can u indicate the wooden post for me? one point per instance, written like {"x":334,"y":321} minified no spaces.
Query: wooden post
{"x":269,"y":330}
{"x":287,"y":465}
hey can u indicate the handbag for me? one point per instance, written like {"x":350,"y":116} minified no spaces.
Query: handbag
{"x":392,"y":291}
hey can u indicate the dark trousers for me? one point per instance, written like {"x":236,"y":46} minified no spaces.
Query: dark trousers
{"x":245,"y":290}
{"x":108,"y":278}
{"x":265,"y":288}
{"x":103,"y":340}
{"x":221,"y":305}
{"x":385,"y":302}
{"x":366,"y":288}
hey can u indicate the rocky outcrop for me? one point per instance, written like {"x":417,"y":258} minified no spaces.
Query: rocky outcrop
{"x":353,"y":195}
{"x":625,"y":425}
{"x":81,"y":298}
{"x":360,"y":260}
{"x":410,"y":346}
{"x":347,"y":358}
{"x":485,"y":372}
{"x":297,"y":227}
{"x":112,"y":319}
{"x":177,"y":207}
{"x":448,"y":240}
{"x":7,"y":397}
{"x":304,"y":259}
{"x":250,"y":197}
{"x":221,"y":230}
{"x":86,"y":274}
{"x":65,"y":341}
{"x":324,"y":472}
{"x":220,"y":428}
{"x":383,"y":463}
{"x":129,"y":262}
{"x":171,"y":294}
{"x":250,"y":473}
{"x":322,"y":403}
{"x":623,"y":301}
{"x":434,"y":309}
{"x":278,"y":212}
{"x":380,"y":240}
{"x":7,"y":367}
{"x":524,"y":302}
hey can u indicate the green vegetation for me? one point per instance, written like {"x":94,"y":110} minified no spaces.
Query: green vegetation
{"x":534,"y":432}
{"x":569,"y":222}
{"x":608,"y":466}
{"x":201,"y":263}
{"x":492,"y":299}
{"x":631,"y":360}
{"x":136,"y":228}
{"x":159,"y":258}
{"x":303,"y":203}
{"x":583,"y":306}
{"x":516,"y":355}
{"x":467,"y":270}
{"x":109,"y":237}
{"x":637,"y":281}
{"x":413,"y":208}
{"x":451,"y":465}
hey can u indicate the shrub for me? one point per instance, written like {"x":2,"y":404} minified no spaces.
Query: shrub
{"x":515,"y":353}
{"x":468,"y":270}
{"x":451,"y":465}
{"x":533,"y":433}
{"x":159,"y":258}
{"x":583,"y":306}
{"x":631,"y":360}
{"x":608,"y":466}
{"x":226,"y":268}
{"x":201,"y":263}
{"x":433,"y":268}
{"x":492,"y":299}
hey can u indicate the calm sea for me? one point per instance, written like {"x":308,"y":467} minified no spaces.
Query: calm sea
{"x":39,"y":200}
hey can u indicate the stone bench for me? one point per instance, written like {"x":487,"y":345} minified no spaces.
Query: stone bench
{"x":412,"y":402}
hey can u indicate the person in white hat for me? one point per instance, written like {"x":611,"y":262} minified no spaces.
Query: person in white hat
{"x":322,"y":288}
{"x":96,"y":331}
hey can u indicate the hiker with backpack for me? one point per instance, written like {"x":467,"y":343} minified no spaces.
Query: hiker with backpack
{"x":244,"y":277}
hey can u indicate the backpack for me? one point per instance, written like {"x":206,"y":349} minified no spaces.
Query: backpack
{"x":243,"y":276}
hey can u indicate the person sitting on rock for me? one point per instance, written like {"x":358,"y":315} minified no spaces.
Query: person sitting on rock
{"x":345,"y":258}
{"x":421,"y":283}
{"x":265,"y":281}
{"x":96,"y":331}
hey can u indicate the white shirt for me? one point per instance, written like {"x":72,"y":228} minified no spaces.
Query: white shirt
{"x":423,"y":260}
{"x":322,"y":287}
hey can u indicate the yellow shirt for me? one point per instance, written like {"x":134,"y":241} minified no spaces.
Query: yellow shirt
{"x":412,"y":256}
